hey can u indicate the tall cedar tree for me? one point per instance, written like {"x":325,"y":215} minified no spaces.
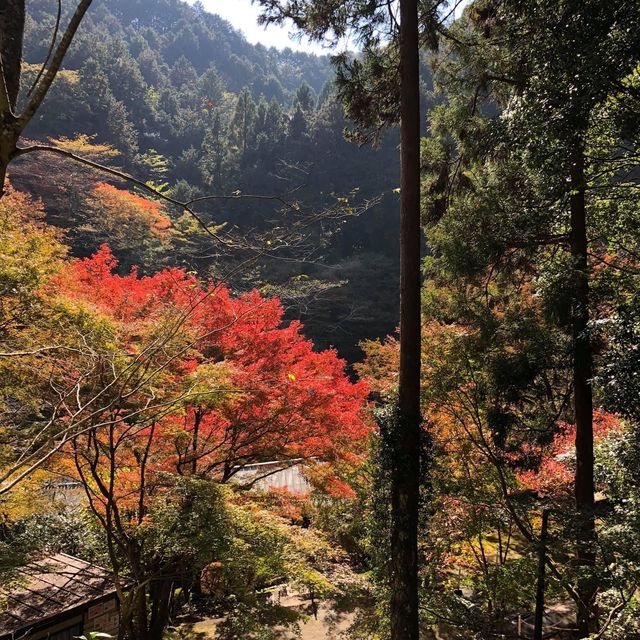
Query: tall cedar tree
{"x":379,"y":89}
{"x":550,"y":66}
{"x":405,"y":483}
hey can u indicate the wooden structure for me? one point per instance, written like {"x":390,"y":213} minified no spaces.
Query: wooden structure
{"x":59,"y":598}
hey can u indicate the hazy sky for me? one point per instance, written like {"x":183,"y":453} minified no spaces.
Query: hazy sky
{"x":243,"y":15}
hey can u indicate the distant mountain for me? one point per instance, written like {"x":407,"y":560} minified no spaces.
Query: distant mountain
{"x":187,"y":102}
{"x":163,"y":31}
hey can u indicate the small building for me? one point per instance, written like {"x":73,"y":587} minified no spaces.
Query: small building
{"x":266,"y":476}
{"x":59,"y":598}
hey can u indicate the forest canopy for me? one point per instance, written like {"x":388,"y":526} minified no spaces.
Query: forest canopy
{"x":342,"y":345}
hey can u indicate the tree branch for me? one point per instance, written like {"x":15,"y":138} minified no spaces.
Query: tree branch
{"x":5,"y":102}
{"x":43,"y":86}
{"x":45,"y":148}
{"x":54,"y":38}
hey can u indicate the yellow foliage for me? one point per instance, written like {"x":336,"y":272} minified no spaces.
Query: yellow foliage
{"x":84,"y":145}
{"x":64,"y":75}
{"x":27,"y":498}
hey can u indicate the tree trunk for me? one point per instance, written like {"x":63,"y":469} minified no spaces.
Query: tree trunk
{"x":583,"y":401}
{"x":126,"y":626}
{"x":140,"y":623}
{"x":197,"y":419}
{"x":406,"y":470}
{"x":12,"y":15}
{"x":541,"y":583}
{"x":160,"y":595}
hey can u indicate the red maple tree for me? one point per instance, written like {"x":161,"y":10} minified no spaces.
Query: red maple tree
{"x":250,"y":387}
{"x":555,"y":474}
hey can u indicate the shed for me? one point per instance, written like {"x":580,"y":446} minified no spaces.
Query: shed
{"x":59,"y":597}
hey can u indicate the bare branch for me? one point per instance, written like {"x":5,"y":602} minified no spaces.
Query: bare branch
{"x":5,"y":102}
{"x":54,"y":39}
{"x":35,"y":352}
{"x":43,"y":86}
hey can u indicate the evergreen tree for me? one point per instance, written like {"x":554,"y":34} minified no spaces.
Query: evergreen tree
{"x":273,"y":121}
{"x":183,"y":73}
{"x":304,"y":98}
{"x":211,"y":86}
{"x":298,"y":125}
{"x":527,"y":181}
{"x":213,"y":154}
{"x":242,"y":124}
{"x":380,"y":88}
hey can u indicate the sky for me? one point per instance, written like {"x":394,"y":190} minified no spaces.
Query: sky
{"x":243,"y":15}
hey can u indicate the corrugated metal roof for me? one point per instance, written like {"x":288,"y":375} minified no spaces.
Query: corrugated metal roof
{"x":275,"y":474}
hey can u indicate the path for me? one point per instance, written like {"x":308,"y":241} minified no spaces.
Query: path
{"x":326,"y":626}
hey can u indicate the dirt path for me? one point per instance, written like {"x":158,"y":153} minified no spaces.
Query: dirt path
{"x":326,"y":625}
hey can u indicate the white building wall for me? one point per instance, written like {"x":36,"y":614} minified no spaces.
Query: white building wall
{"x":272,"y":475}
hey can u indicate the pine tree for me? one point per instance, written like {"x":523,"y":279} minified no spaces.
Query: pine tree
{"x":242,"y":124}
{"x":381,"y":88}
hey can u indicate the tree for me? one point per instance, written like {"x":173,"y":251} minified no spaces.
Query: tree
{"x":241,"y":130}
{"x":405,"y":480}
{"x":32,"y":255}
{"x":183,"y":74}
{"x":12,"y":124}
{"x":221,"y":384}
{"x":88,"y":97}
{"x":138,"y":229}
{"x":213,"y":153}
{"x":496,"y":389}
{"x":12,"y":17}
{"x":383,"y":89}
{"x":548,"y":83}
{"x":211,"y":86}
{"x":305,"y":97}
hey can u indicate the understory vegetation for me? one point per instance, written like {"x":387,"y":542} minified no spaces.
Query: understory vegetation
{"x":200,"y":265}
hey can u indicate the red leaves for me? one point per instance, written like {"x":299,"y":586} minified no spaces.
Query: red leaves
{"x":254,"y":389}
{"x":555,"y":474}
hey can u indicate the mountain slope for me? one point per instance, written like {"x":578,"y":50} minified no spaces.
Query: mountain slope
{"x":187,"y":102}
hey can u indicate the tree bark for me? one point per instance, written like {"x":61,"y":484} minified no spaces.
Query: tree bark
{"x":12,"y":14}
{"x":160,"y":596}
{"x":541,"y":583}
{"x":406,"y":471}
{"x":583,"y":401}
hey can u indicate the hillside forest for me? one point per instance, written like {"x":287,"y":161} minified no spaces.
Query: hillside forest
{"x":338,"y":346}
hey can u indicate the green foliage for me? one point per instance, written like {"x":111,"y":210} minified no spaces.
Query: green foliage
{"x":193,"y":108}
{"x":523,"y":103}
{"x":617,"y":464}
{"x":619,"y":372}
{"x":184,"y":529}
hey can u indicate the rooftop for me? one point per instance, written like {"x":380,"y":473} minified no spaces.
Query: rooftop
{"x":50,"y":587}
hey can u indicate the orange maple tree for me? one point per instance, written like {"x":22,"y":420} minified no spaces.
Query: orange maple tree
{"x":248,"y":387}
{"x":202,"y":382}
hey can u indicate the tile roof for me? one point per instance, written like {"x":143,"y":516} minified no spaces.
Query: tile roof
{"x":50,"y":586}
